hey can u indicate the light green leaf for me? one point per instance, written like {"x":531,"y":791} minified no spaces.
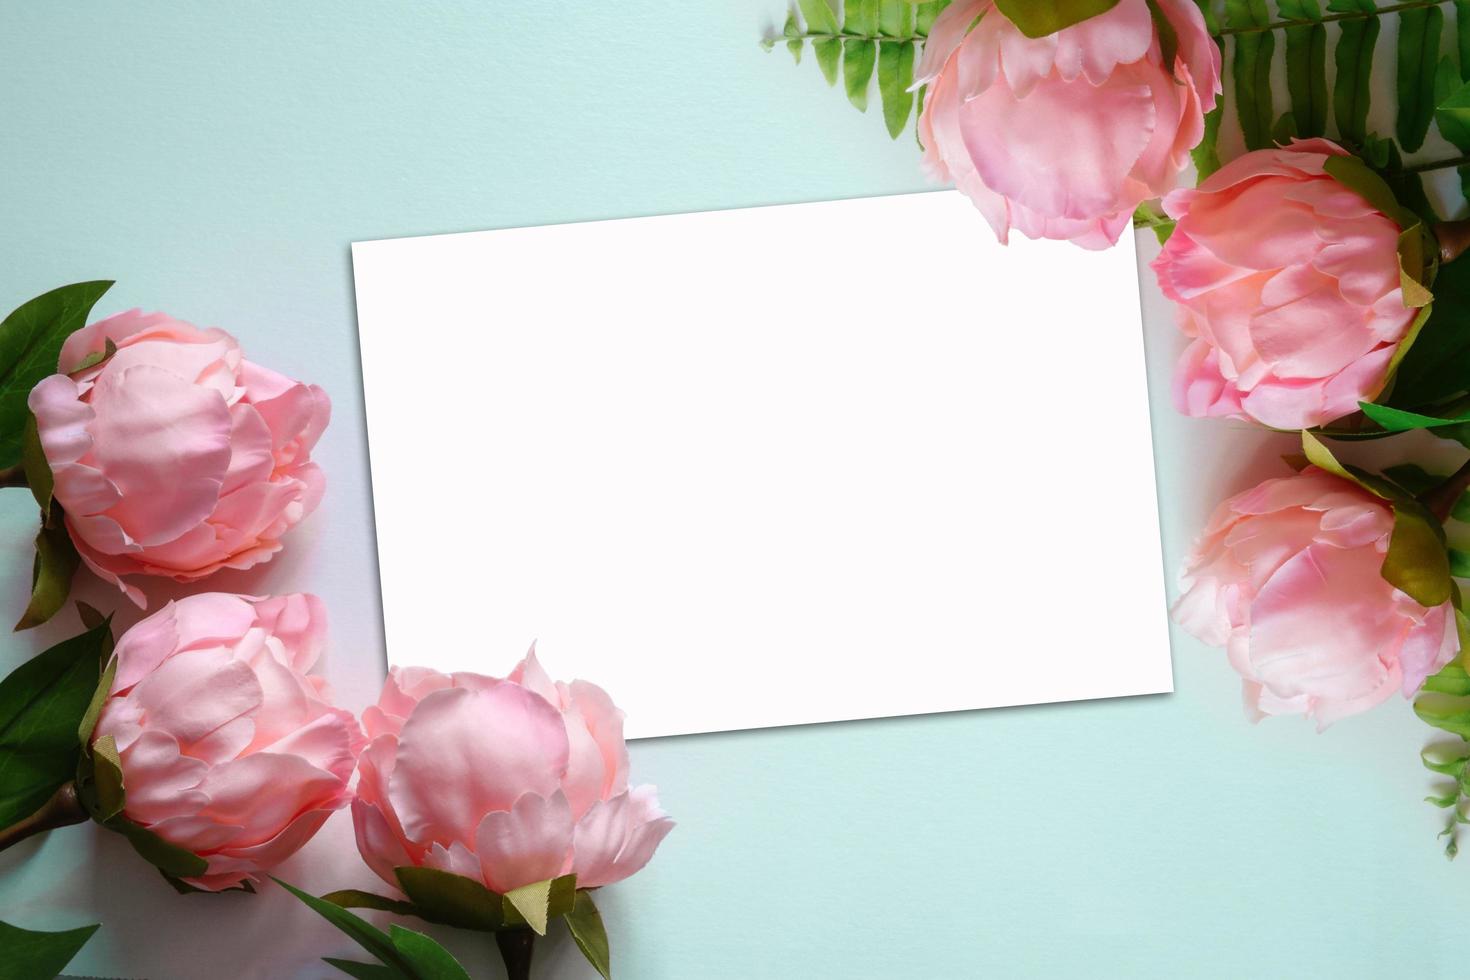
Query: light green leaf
{"x":29,"y":955}
{"x":895,"y":75}
{"x":1452,"y":113}
{"x":1040,"y":19}
{"x":1353,"y":62}
{"x":926,"y":13}
{"x":1418,"y":55}
{"x":1445,"y":712}
{"x":99,"y":697}
{"x":427,"y":958}
{"x":828,"y":51}
{"x":41,"y":705}
{"x":1444,"y":759}
{"x":366,"y":935}
{"x":590,"y":934}
{"x":1451,"y":679}
{"x":1398,"y":420}
{"x":858,"y":60}
{"x":1251,"y":69}
{"x":532,"y":902}
{"x":819,"y":16}
{"x":896,"y":18}
{"x":30,"y":344}
{"x":860,"y":17}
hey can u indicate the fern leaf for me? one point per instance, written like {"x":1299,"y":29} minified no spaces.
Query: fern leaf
{"x":1418,"y":53}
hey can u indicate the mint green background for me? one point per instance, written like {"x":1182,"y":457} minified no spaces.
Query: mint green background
{"x":217,"y":159}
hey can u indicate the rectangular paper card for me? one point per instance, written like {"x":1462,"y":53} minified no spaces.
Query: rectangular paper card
{"x":769,"y":466}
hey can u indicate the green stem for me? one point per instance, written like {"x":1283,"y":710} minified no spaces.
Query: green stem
{"x":516,"y":947}
{"x":775,"y":39}
{"x":1442,"y":499}
{"x":1424,"y":168}
{"x":61,"y":810}
{"x":1392,"y":8}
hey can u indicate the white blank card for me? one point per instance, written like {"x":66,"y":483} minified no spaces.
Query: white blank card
{"x":769,"y":466}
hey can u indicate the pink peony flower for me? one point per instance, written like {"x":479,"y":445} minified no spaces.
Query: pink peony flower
{"x":508,"y":782}
{"x":1063,"y":136}
{"x":176,"y":456}
{"x":1287,"y":578}
{"x":1288,"y":281}
{"x":228,"y":748}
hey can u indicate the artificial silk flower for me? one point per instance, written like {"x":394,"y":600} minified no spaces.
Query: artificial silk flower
{"x":1288,"y":281}
{"x":507,"y":782}
{"x":172,"y":454}
{"x":1288,"y":578}
{"x":228,"y":749}
{"x":1063,"y":136}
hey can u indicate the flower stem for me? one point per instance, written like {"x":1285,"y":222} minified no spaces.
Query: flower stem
{"x":62,"y":809}
{"x":1392,"y":8}
{"x":516,"y":946}
{"x":14,"y":476}
{"x":1424,"y":168}
{"x":1442,"y":499}
{"x":774,"y":39}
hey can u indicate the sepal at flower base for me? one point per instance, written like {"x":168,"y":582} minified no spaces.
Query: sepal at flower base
{"x":1040,"y":19}
{"x":56,"y":559}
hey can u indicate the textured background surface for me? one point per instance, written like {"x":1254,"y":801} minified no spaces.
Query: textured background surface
{"x":218,"y":159}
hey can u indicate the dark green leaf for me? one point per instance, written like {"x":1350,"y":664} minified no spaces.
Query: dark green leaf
{"x":30,"y":343}
{"x":363,"y":971}
{"x":1462,"y":35}
{"x":41,"y":705}
{"x":366,"y":935}
{"x":590,"y":934}
{"x":1040,"y":19}
{"x":860,"y":17}
{"x":36,"y":468}
{"x":52,"y":568}
{"x":451,"y":899}
{"x":1306,"y":75}
{"x":895,"y":75}
{"x":28,"y":955}
{"x":1353,"y":61}
{"x":1452,"y":113}
{"x":1459,"y":563}
{"x":172,"y":860}
{"x":1283,"y":131}
{"x":819,"y":16}
{"x":1251,"y":69}
{"x":99,"y":696}
{"x":1418,"y":56}
{"x":352,"y":898}
{"x":858,"y":59}
{"x":1462,"y":509}
{"x":828,"y":51}
{"x":1437,"y":367}
{"x":1414,"y":478}
{"x":427,"y":958}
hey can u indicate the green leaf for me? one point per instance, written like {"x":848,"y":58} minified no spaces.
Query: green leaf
{"x":1452,"y":111}
{"x":1444,"y":759}
{"x":1206,"y":155}
{"x":1398,"y":420}
{"x":30,"y":344}
{"x":107,"y":775}
{"x":1251,"y":69}
{"x":1040,"y":19}
{"x":895,"y":75}
{"x":858,"y":59}
{"x":896,"y":18}
{"x":1451,"y":679}
{"x":427,"y":958}
{"x":1417,"y":563}
{"x":1418,"y":54}
{"x":926,"y":13}
{"x":1414,"y":478}
{"x":1462,"y":35}
{"x":828,"y":51}
{"x":1353,"y":61}
{"x":1437,"y":366}
{"x":1445,"y":802}
{"x":36,"y":468}
{"x":99,"y":697}
{"x":363,"y":971}
{"x":1445,"y":712}
{"x":352,"y":898}
{"x":41,"y":704}
{"x":28,"y":955}
{"x":451,"y":899}
{"x":819,"y":16}
{"x":860,"y":17}
{"x":1462,"y":509}
{"x":590,"y":934}
{"x":172,"y":860}
{"x":1459,"y":563}
{"x":366,"y":935}
{"x":532,"y":902}
{"x":52,"y":568}
{"x":1306,"y":66}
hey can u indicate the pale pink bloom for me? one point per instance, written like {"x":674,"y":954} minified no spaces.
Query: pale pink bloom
{"x":176,"y":456}
{"x":228,"y":748}
{"x":508,"y":782}
{"x":1063,"y":136}
{"x":1287,"y":577}
{"x":1288,"y":281}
